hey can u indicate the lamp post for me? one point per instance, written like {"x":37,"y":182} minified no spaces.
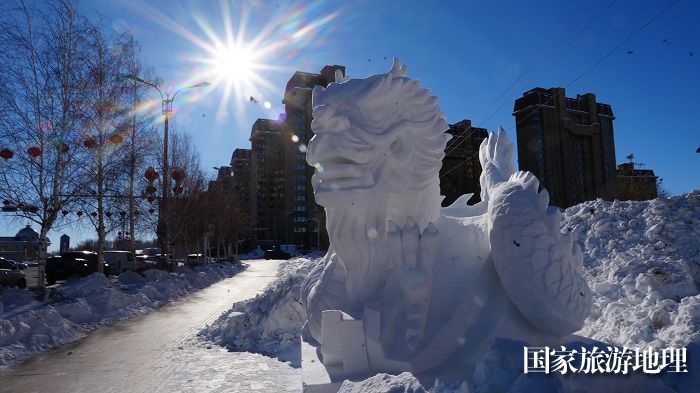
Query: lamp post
{"x":163,"y":217}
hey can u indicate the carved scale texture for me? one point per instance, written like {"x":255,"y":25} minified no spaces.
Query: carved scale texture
{"x":539,"y":267}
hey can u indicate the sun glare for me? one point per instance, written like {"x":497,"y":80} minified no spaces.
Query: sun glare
{"x":233,"y":64}
{"x":238,"y":62}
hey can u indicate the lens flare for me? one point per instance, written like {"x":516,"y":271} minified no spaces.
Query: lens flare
{"x":236,"y":49}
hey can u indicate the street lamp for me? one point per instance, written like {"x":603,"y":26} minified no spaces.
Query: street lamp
{"x":167,"y":107}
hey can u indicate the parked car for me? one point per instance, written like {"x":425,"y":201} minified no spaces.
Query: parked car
{"x":276,"y":253}
{"x":11,"y":274}
{"x":72,"y":263}
{"x":20,"y":265}
{"x":194,"y":259}
{"x":119,"y":261}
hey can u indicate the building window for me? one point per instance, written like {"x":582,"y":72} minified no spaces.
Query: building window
{"x":299,"y":229}
{"x":299,"y":219}
{"x":299,"y":167}
{"x":300,"y":198}
{"x":299,"y":208}
{"x":299,"y":177}
{"x":300,"y":187}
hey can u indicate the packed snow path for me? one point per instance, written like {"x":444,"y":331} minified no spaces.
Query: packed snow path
{"x":160,"y":351}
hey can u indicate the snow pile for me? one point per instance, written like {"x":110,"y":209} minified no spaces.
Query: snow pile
{"x":642,"y":262}
{"x":66,"y":313}
{"x":271,"y":322}
{"x":385,"y":383}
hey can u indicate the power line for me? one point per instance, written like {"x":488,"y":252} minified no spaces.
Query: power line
{"x":551,"y":60}
{"x":605,"y":56}
{"x":542,"y":52}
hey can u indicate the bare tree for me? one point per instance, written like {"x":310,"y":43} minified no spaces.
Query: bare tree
{"x":42,"y":88}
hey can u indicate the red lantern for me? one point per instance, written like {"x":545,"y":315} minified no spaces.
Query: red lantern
{"x":151,"y":210}
{"x":90,"y":143}
{"x":151,"y":175}
{"x":178,"y":174}
{"x":6,"y":202}
{"x":34,"y":151}
{"x":79,"y":213}
{"x":150,"y":198}
{"x":178,"y":190}
{"x":136,"y":212}
{"x":122,"y":213}
{"x":6,"y":154}
{"x":108,"y":214}
{"x":151,"y":189}
{"x":93,"y":214}
{"x":116,"y":139}
{"x":64,"y":148}
{"x":64,"y":212}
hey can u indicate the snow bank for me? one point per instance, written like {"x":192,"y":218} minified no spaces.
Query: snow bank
{"x":384,"y":383}
{"x":271,"y":322}
{"x":66,"y":313}
{"x":642,"y":262}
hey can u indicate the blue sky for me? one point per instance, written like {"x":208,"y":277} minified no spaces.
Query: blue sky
{"x":467,"y":52}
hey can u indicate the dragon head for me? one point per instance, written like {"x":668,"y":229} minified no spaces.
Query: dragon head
{"x":378,"y":141}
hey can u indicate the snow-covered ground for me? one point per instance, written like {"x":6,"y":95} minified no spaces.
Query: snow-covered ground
{"x":271,"y":322}
{"x":641,"y":260}
{"x":32,"y":322}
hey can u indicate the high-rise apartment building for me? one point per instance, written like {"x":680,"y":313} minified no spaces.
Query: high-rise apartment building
{"x":303,"y":217}
{"x":240,"y":170}
{"x":568,"y":143}
{"x":461,"y":169}
{"x":267,"y":180}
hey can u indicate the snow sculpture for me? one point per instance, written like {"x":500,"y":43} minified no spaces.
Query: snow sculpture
{"x":429,"y":287}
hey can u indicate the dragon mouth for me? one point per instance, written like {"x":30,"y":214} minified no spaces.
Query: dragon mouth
{"x":339,"y":177}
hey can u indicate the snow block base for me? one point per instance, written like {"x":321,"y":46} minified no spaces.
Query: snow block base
{"x":317,"y":378}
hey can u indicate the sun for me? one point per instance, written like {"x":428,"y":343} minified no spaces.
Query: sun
{"x":237,"y":60}
{"x":233,"y":64}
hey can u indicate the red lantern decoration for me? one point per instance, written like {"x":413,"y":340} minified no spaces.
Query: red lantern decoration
{"x":64,"y":212}
{"x":79,"y":213}
{"x":108,"y":214}
{"x":151,"y":175}
{"x":116,"y":139}
{"x":34,"y":151}
{"x":151,"y":210}
{"x":90,"y":143}
{"x":150,"y":198}
{"x":122,"y":213}
{"x":6,"y":202}
{"x":93,"y":214}
{"x":6,"y":154}
{"x":178,"y":174}
{"x":64,"y":148}
{"x":151,"y":189}
{"x":136,"y":212}
{"x":178,"y":190}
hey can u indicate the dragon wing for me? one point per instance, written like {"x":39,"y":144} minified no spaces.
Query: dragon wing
{"x":540,"y":269}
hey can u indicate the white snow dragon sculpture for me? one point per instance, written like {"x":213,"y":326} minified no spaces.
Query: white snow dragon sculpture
{"x":431,"y":285}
